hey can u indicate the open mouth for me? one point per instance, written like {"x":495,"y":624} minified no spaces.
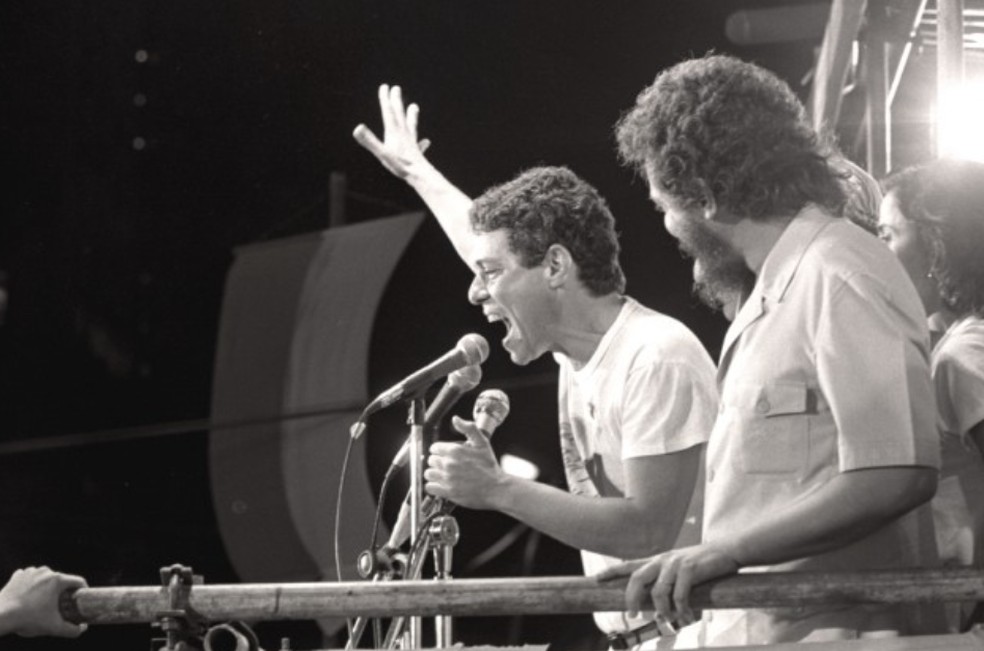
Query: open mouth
{"x":498,"y":318}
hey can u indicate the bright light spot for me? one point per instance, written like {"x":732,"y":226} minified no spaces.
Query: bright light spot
{"x":519,"y":467}
{"x":960,"y":128}
{"x":141,"y":56}
{"x":139,"y":144}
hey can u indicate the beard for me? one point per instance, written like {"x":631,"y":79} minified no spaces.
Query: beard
{"x":721,"y":276}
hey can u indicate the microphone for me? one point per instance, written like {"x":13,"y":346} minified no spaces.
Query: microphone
{"x":491,"y":408}
{"x":471,"y":349}
{"x":459,"y":383}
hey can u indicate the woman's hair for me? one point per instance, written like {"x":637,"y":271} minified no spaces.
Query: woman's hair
{"x":945,"y":200}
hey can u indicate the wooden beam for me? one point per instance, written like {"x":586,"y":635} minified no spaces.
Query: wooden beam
{"x":489,"y":597}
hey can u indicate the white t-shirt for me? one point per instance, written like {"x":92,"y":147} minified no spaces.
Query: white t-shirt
{"x":648,"y":389}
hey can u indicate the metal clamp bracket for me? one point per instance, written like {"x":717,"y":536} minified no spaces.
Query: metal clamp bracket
{"x":182,"y":626}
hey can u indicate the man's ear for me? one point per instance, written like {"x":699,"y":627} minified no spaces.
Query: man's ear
{"x":708,"y":205}
{"x":558,"y":265}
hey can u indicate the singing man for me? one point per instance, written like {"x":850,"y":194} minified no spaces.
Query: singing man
{"x":637,"y":392}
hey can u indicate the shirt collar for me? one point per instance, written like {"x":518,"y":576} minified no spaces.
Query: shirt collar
{"x":783,"y":260}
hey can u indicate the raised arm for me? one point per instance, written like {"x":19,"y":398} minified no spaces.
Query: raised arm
{"x":403,"y":155}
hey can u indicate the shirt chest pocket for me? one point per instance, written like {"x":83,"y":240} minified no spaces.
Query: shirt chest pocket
{"x":772,"y":427}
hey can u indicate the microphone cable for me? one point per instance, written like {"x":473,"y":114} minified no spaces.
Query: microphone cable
{"x":391,"y":471}
{"x":377,"y":627}
{"x":338,"y":521}
{"x":380,"y":502}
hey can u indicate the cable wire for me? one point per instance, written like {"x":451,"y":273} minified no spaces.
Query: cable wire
{"x":338,"y":520}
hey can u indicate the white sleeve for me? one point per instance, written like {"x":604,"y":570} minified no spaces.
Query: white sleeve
{"x":667,"y":407}
{"x":958,"y":377}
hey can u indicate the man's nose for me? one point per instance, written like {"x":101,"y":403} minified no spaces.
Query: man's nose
{"x":477,"y":292}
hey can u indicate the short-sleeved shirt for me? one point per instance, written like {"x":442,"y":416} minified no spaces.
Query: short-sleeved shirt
{"x":958,"y":506}
{"x":958,"y":374}
{"x":824,"y":370}
{"x":648,"y":389}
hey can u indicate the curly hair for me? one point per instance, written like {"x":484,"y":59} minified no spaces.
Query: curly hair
{"x":552,"y":205}
{"x":732,"y":128}
{"x":864,"y":196}
{"x":945,"y":200}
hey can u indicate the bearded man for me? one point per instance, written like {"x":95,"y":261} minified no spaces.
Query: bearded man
{"x":825,"y":442}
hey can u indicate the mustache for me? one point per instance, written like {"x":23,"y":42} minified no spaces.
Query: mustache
{"x":698,"y":243}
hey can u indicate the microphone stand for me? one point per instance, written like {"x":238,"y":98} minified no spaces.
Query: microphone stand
{"x":370,"y":565}
{"x":431,"y":529}
{"x":440,"y":535}
{"x":416,"y":445}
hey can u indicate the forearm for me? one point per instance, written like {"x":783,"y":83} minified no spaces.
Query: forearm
{"x":402,"y":154}
{"x":620,"y":527}
{"x":851,"y":506}
{"x":448,"y":204}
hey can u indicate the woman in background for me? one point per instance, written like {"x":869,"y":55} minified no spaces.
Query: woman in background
{"x":932,"y":217}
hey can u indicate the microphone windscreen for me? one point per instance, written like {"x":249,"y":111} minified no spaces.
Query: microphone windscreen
{"x":475,"y":348}
{"x":466,"y":379}
{"x":491,"y":408}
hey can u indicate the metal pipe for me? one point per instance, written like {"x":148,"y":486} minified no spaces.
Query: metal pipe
{"x":906,"y":51}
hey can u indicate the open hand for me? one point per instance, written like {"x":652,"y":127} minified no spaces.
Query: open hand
{"x":399,"y":151}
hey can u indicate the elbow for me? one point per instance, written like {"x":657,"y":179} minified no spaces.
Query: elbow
{"x":924,"y":486}
{"x":919,"y":488}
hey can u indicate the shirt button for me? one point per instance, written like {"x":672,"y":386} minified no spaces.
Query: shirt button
{"x":710,"y":475}
{"x":762,"y":406}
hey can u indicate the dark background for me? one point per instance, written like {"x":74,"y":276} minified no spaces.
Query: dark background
{"x":143,"y":139}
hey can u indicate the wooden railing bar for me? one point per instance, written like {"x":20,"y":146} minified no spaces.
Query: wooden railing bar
{"x":488,"y":597}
